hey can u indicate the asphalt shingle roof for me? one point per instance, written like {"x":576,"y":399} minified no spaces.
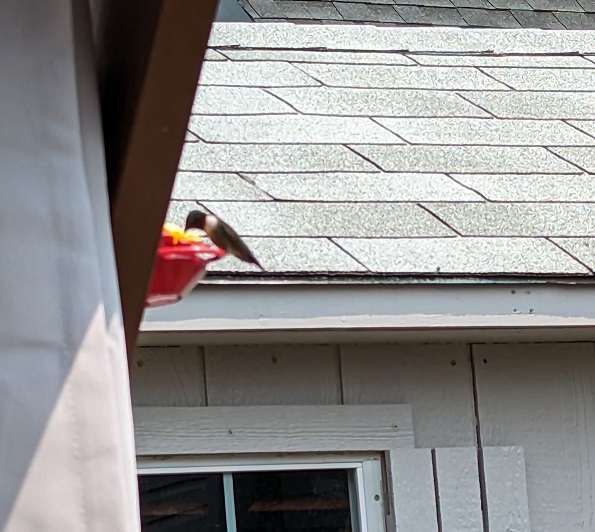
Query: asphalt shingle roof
{"x":381,"y":151}
{"x":544,"y":14}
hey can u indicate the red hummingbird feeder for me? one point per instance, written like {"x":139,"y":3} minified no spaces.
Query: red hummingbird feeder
{"x":182,"y":260}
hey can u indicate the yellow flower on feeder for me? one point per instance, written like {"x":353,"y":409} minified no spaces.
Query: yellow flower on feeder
{"x":179,"y":236}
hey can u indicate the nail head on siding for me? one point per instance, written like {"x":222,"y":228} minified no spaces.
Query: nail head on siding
{"x":377,"y":498}
{"x":140,"y":363}
{"x":274,"y":359}
{"x":453,"y":362}
{"x":485,"y":360}
{"x":395,"y":426}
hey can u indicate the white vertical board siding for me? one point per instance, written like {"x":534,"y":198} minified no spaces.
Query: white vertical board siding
{"x":414,"y":497}
{"x":542,"y":397}
{"x":440,"y":393}
{"x":272,"y":375}
{"x":506,"y":489}
{"x":459,"y":498}
{"x":167,"y":376}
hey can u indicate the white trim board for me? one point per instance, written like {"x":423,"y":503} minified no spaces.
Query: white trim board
{"x":228,"y":313}
{"x":271,"y":429}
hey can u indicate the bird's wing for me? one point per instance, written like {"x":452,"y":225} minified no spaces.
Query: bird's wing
{"x":235,"y":245}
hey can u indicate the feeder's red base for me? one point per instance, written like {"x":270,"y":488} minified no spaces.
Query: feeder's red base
{"x":178,"y":269}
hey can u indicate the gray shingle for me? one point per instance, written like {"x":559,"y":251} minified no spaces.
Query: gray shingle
{"x":588,"y":126}
{"x":296,"y":9}
{"x":259,"y":74}
{"x":588,"y":5}
{"x":510,"y":4}
{"x":178,"y":210}
{"x":374,"y":38}
{"x":554,"y":105}
{"x":561,"y":188}
{"x":481,"y":131}
{"x":515,"y":219}
{"x":466,"y":159}
{"x":402,"y":77}
{"x":577,"y":21}
{"x":311,"y":56}
{"x":390,"y":2}
{"x":481,"y":13}
{"x":581,"y":248}
{"x":572,"y":79}
{"x":582,"y":157}
{"x":292,"y":255}
{"x":462,"y":255}
{"x":489,"y":18}
{"x":302,"y":195}
{"x":278,"y":254}
{"x":269,"y":9}
{"x":545,"y":20}
{"x":368,"y":12}
{"x":190,"y":137}
{"x":213,"y":55}
{"x":555,"y":5}
{"x":297,"y":129}
{"x":329,"y":219}
{"x":444,"y":16}
{"x":425,"y":3}
{"x":270,"y":158}
{"x":379,"y":102}
{"x":248,"y":8}
{"x":363,"y":187}
{"x":323,"y":10}
{"x":543,"y":61}
{"x":483,"y":4}
{"x":237,"y":101}
{"x":202,"y":186}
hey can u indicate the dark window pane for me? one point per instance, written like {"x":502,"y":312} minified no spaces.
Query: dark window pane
{"x":182,"y":503}
{"x":296,"y":501}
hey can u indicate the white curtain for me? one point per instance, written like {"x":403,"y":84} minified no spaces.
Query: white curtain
{"x":66,"y":434}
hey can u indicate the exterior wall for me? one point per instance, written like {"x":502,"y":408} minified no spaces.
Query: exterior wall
{"x":540,"y":397}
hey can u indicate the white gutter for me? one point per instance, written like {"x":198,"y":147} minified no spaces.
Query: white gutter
{"x":230,"y":313}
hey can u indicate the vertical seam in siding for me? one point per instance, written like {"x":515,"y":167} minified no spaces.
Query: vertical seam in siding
{"x":340,"y":367}
{"x":204,"y":373}
{"x":436,"y":491}
{"x":480,"y":464}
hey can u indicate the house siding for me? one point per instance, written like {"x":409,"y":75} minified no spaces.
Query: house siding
{"x":539,"y":397}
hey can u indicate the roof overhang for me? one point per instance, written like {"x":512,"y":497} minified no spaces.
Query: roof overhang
{"x":227,"y":313}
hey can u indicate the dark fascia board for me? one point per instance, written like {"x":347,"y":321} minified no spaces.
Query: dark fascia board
{"x":149,"y":57}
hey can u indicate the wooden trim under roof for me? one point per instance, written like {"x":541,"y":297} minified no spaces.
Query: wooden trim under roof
{"x":149,"y":54}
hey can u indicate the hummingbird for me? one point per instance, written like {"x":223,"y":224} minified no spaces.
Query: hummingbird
{"x":222,"y":235}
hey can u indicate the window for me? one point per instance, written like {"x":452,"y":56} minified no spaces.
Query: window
{"x":315,"y":493}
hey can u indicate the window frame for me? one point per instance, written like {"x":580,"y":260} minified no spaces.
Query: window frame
{"x":365,"y":478}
